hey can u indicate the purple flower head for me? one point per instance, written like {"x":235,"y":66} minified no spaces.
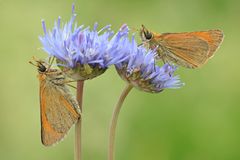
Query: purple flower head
{"x":82,"y":52}
{"x":140,"y":70}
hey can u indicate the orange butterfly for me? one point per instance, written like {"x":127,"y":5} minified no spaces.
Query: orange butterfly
{"x":59,"y":109}
{"x":188,"y":49}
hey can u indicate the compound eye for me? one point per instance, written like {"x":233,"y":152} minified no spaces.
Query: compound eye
{"x":42,"y":68}
{"x":148,"y":35}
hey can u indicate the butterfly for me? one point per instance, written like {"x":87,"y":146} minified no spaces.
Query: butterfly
{"x":59,"y":109}
{"x":187,"y":49}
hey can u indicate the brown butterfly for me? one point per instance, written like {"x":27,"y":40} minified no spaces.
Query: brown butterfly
{"x":188,"y":49}
{"x":59,"y":109}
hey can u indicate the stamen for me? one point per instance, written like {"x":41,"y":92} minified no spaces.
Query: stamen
{"x":73,"y":8}
{"x":44,"y":26}
{"x":105,"y":28}
{"x":71,"y":21}
{"x":95,"y":26}
{"x":59,"y":22}
{"x":133,"y":38}
{"x":123,"y":27}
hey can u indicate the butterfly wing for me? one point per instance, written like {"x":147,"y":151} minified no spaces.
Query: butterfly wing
{"x":190,"y":49}
{"x":59,"y":111}
{"x":213,"y":37}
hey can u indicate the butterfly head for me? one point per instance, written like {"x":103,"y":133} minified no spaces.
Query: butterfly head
{"x":145,"y":34}
{"x":40,"y":64}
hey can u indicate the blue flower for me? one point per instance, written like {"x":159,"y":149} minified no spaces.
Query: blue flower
{"x":140,"y":70}
{"x":84,"y":53}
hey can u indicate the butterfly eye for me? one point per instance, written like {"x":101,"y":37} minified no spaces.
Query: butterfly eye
{"x":41,"y":68}
{"x":148,"y":35}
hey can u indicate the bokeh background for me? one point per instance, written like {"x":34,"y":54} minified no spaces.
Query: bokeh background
{"x":200,"y":121}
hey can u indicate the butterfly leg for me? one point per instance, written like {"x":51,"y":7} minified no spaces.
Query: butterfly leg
{"x":70,"y":81}
{"x":71,"y":86}
{"x":140,"y":44}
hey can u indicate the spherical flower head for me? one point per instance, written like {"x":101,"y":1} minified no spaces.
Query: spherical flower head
{"x":140,"y":71}
{"x":83,"y":53}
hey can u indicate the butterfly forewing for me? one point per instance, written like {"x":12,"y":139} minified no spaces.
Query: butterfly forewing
{"x":213,"y":37}
{"x":59,"y":111}
{"x":184,"y":49}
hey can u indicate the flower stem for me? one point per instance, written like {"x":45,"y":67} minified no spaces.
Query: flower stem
{"x":113,"y":126}
{"x":78,"y":125}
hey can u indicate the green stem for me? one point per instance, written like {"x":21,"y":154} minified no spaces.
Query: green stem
{"x":113,"y":126}
{"x":78,"y":125}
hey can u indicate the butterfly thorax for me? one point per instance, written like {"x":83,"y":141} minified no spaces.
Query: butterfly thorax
{"x":155,"y":44}
{"x":52,"y":76}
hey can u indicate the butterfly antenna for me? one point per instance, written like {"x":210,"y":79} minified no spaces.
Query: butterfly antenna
{"x":32,"y":63}
{"x":72,"y":86}
{"x":34,"y":59}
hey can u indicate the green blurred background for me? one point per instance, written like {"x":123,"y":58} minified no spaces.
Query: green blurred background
{"x":200,"y":121}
